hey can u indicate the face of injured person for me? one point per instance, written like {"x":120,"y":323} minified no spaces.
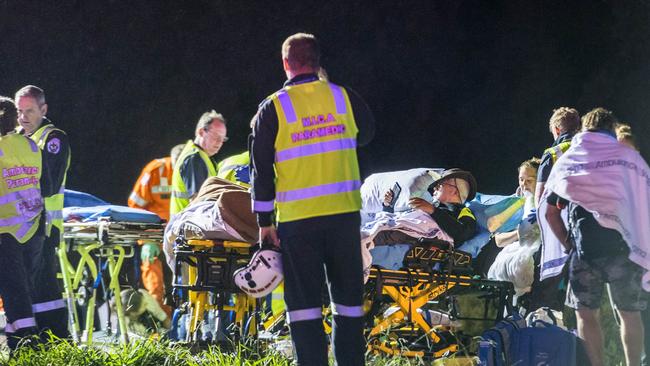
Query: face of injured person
{"x":527,"y":180}
{"x":446,"y":192}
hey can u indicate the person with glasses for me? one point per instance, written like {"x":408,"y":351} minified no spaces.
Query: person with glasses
{"x":195,"y":162}
{"x":450,"y":192}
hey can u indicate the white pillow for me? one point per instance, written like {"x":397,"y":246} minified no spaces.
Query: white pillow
{"x":414,"y":183}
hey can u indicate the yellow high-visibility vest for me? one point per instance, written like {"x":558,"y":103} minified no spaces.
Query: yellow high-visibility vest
{"x":21,"y":203}
{"x":54,"y":203}
{"x":557,"y":150}
{"x":226,"y":168}
{"x":316,"y":166}
{"x":180,"y":197}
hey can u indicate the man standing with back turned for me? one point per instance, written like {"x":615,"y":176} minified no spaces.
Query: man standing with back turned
{"x":304,"y":164}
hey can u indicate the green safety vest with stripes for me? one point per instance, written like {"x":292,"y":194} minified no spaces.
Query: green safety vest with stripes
{"x":180,"y":197}
{"x":226,"y":168}
{"x":557,"y":150}
{"x":21,"y":203}
{"x":54,"y":203}
{"x":317,"y":172}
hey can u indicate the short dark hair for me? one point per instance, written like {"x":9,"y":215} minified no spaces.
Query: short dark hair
{"x":301,"y":49}
{"x":599,"y":119}
{"x":8,"y":115}
{"x":32,"y":91}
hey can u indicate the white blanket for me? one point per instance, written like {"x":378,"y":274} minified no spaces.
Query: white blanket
{"x":553,"y":256}
{"x":612,"y":181}
{"x":515,"y":262}
{"x":415,"y":223}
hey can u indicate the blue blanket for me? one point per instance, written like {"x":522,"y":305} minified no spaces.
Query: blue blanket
{"x":84,"y":207}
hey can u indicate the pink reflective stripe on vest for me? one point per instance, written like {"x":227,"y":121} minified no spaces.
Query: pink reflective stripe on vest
{"x":263,"y":206}
{"x":29,"y":193}
{"x":23,"y":229}
{"x":304,"y":314}
{"x":339,"y":99}
{"x":48,"y":305}
{"x":316,"y":191}
{"x":349,"y":311}
{"x":33,"y":145}
{"x":287,"y":106}
{"x":20,"y":324}
{"x":316,"y":148}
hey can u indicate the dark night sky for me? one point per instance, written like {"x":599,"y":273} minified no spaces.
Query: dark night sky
{"x":452,"y":83}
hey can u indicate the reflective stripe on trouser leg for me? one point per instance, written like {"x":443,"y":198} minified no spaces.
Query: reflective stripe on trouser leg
{"x":345,"y":276}
{"x":304,"y":314}
{"x":349,"y":311}
{"x":49,"y":308}
{"x":19,"y":324}
{"x":15,"y":286}
{"x":43,"y":307}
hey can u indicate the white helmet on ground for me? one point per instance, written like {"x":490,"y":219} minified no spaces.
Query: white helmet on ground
{"x":262,"y":274}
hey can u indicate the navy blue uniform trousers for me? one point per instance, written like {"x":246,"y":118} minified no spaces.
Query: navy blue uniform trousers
{"x":317,"y":252}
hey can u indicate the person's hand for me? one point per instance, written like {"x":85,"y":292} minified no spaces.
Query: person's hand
{"x":270,"y":235}
{"x":420,"y":204}
{"x":149,"y":252}
{"x":388,"y":197}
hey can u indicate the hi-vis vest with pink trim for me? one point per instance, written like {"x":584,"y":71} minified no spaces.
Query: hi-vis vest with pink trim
{"x":315,"y":152}
{"x":21,"y":203}
{"x":54,"y":203}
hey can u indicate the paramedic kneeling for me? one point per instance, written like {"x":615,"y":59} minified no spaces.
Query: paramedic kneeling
{"x":450,"y":192}
{"x":21,"y":224}
{"x":304,"y":163}
{"x":599,"y":255}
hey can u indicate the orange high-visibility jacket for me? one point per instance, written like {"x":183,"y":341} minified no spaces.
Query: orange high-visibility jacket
{"x":153,"y":190}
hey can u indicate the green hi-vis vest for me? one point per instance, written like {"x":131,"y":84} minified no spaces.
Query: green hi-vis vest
{"x":21,"y":203}
{"x":316,"y":159}
{"x":227,"y":167}
{"x":557,"y":150}
{"x":180,"y":198}
{"x":54,"y":203}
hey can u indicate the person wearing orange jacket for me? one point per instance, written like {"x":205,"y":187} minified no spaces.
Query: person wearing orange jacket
{"x":152,"y":192}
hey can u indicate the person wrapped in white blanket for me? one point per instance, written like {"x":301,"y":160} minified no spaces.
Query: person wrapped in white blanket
{"x":515,"y":262}
{"x":605,"y":187}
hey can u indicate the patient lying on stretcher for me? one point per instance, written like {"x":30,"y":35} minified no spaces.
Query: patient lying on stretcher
{"x":433,"y":208}
{"x":450,"y":192}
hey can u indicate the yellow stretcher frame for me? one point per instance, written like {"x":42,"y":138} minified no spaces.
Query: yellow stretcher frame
{"x":411,"y":289}
{"x":198,"y":304}
{"x":114,"y":241}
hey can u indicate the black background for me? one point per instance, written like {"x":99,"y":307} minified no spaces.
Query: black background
{"x":459,"y":83}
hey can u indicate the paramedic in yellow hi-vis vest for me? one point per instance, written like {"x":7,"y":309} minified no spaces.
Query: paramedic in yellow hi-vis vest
{"x":49,"y":308}
{"x":195,"y":163}
{"x":304,"y":167}
{"x":563,"y":124}
{"x":21,"y":224}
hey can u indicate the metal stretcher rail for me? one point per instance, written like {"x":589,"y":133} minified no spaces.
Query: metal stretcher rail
{"x":102,"y":239}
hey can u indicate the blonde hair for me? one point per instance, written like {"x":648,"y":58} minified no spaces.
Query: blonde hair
{"x":624,"y":134}
{"x":599,"y":119}
{"x":532,"y":163}
{"x":566,"y":119}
